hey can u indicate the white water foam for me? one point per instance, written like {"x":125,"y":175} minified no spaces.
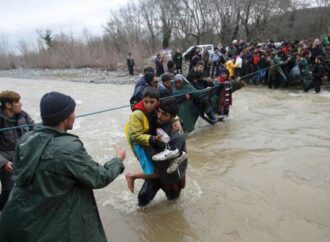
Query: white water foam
{"x":126,"y":202}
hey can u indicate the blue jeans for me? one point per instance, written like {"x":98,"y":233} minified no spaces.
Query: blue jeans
{"x":144,"y":159}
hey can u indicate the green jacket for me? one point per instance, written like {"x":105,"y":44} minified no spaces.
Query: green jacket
{"x":304,"y":69}
{"x":278,"y":61}
{"x":53,"y":199}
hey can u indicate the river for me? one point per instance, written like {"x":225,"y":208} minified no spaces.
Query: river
{"x":262,"y":175}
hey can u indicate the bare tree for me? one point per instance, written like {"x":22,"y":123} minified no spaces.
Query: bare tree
{"x":148,"y":10}
{"x":166,"y":15}
{"x":124,"y":27}
{"x":194,"y":18}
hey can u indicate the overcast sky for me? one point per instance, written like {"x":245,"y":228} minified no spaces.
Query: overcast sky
{"x":21,"y":18}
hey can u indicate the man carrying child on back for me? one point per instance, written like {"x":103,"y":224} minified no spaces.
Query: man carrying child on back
{"x":145,"y":142}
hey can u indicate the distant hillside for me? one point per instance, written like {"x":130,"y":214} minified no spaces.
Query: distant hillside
{"x":302,"y":23}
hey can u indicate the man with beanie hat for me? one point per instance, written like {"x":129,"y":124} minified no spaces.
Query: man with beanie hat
{"x":11,"y":115}
{"x":173,"y":180}
{"x":54,"y":176}
{"x":56,"y":107}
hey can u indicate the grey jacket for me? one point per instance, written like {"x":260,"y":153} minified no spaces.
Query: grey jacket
{"x":9,"y":138}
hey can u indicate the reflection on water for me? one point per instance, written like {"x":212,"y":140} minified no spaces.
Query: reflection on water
{"x":262,"y":175}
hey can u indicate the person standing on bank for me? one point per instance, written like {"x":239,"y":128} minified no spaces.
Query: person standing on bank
{"x":130,"y":63}
{"x":11,"y":115}
{"x":54,"y":176}
{"x":159,"y":65}
{"x":177,"y":58}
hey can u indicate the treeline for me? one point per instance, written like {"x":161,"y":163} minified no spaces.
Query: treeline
{"x":158,"y":24}
{"x":63,"y":51}
{"x":145,"y":26}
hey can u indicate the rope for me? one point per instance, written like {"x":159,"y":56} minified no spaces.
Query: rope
{"x":125,"y":106}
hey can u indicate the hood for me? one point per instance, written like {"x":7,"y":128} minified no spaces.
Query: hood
{"x":31,"y":148}
{"x":139,"y":106}
{"x":186,"y":88}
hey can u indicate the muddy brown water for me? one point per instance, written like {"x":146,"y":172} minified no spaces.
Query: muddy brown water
{"x":262,"y":175}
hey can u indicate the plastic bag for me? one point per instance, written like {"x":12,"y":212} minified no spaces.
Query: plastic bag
{"x":164,"y":136}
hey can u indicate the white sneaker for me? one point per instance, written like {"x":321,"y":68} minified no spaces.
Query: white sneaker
{"x":176,"y":162}
{"x":166,"y":155}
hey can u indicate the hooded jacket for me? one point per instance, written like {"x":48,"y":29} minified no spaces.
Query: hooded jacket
{"x":141,"y":126}
{"x":52,"y":199}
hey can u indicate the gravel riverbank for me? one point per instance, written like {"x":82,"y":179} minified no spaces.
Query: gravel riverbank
{"x":86,"y":75}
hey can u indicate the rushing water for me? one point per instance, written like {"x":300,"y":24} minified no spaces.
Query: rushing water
{"x":262,"y":175}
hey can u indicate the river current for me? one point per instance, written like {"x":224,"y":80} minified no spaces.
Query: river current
{"x":261,"y":175}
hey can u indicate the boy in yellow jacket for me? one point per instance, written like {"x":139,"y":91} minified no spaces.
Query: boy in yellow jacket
{"x":142,"y":136}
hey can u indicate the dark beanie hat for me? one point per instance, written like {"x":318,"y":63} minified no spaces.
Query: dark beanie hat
{"x":55,"y":107}
{"x":169,"y":105}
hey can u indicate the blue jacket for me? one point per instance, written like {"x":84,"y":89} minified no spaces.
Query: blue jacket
{"x":140,"y":85}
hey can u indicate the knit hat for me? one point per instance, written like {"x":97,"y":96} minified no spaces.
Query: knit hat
{"x":55,"y":107}
{"x":169,"y":105}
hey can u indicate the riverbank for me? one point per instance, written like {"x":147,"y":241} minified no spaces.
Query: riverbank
{"x":87,"y":75}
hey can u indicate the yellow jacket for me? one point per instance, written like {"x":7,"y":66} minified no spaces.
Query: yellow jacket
{"x":137,"y":129}
{"x":231,"y":67}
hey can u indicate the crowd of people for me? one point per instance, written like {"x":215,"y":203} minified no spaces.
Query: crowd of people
{"x":304,"y":63}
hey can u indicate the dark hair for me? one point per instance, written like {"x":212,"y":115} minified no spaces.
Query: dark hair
{"x":149,"y":76}
{"x":199,"y":75}
{"x":148,"y":69}
{"x":8,"y":97}
{"x":169,"y":105}
{"x":223,"y":50}
{"x":200,"y":63}
{"x":151,"y":92}
{"x":166,"y":77}
{"x":170,"y":64}
{"x":320,"y":58}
